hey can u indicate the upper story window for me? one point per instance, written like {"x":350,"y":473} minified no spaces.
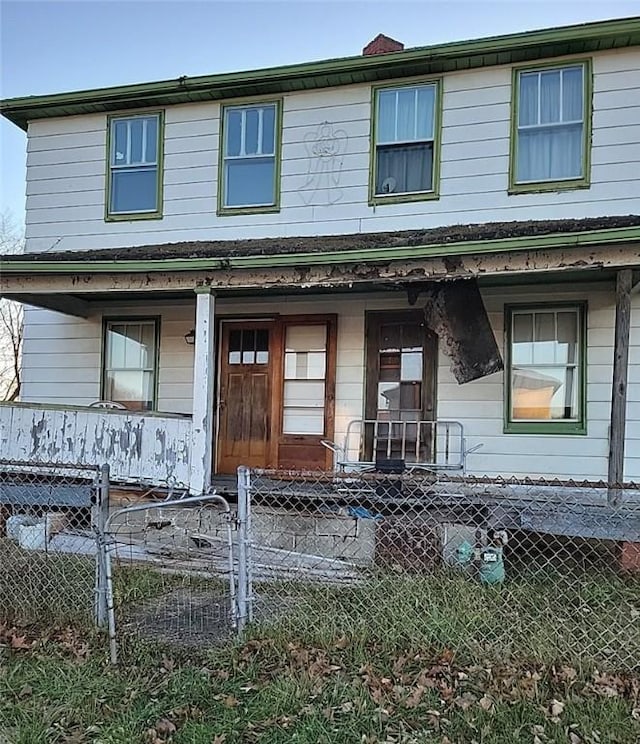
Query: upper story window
{"x":551,"y":128}
{"x":250,"y":158}
{"x":405,"y":152}
{"x":545,"y":370}
{"x":135,"y":173}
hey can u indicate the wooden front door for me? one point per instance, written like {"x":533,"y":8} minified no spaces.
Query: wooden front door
{"x":244,"y":404}
{"x":402,"y":359}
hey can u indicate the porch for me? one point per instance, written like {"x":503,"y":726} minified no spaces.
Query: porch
{"x":282,"y":354}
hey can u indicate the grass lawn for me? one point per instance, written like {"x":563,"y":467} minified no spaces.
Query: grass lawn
{"x":61,"y":689}
{"x":432,"y":658}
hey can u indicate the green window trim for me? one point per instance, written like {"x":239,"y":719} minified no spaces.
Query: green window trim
{"x":584,"y":181}
{"x":107,"y":321}
{"x":579,"y":426}
{"x":156,"y":214}
{"x":223,"y":210}
{"x":434,"y":192}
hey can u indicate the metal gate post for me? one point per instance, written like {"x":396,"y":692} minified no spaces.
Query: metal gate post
{"x":100,"y":516}
{"x":243,"y":595}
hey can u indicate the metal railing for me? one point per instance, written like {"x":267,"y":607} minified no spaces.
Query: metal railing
{"x":430,"y":445}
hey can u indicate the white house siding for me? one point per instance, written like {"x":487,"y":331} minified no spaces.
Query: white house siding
{"x":62,"y":355}
{"x":62,"y":364}
{"x":66,"y":167}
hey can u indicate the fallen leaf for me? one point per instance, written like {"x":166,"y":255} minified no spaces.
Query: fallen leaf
{"x":20,"y":643}
{"x":230,"y":701}
{"x":342,"y":642}
{"x":555,"y":709}
{"x":26,"y":692}
{"x":485,"y":702}
{"x":219,"y":739}
{"x":415,"y":697}
{"x":164,"y":727}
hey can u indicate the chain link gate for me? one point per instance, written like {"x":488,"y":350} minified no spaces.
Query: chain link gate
{"x":49,"y":513}
{"x":489,"y":569}
{"x":170,"y":571}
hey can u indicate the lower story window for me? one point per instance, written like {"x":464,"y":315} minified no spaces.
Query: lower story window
{"x":130,"y":363}
{"x":545,"y":376}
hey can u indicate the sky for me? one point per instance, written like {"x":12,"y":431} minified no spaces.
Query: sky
{"x":52,"y":47}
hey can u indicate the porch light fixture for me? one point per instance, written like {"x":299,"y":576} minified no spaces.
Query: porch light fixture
{"x":190,"y":337}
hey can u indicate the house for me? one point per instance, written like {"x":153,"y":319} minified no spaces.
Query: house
{"x":238,"y":269}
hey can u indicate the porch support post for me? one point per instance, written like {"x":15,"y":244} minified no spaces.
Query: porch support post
{"x":624,"y":283}
{"x":203,"y":383}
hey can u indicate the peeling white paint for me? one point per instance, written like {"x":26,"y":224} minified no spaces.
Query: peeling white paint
{"x":139,"y":447}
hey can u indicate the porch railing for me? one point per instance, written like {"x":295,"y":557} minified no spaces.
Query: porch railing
{"x":140,"y":447}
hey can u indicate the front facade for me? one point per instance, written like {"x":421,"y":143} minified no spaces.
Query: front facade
{"x":246,"y":268}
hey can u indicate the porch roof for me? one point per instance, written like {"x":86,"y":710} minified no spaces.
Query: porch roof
{"x":359,"y":248}
{"x":74,"y":282}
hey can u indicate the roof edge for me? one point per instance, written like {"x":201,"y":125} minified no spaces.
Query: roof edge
{"x":21,"y":110}
{"x":12,"y":266}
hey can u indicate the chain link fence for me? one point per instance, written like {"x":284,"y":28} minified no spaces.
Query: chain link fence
{"x":49,"y":514}
{"x":487,"y":569}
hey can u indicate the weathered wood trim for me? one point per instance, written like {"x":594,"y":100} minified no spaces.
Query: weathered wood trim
{"x":624,"y":281}
{"x":389,"y":271}
{"x":204,"y":376}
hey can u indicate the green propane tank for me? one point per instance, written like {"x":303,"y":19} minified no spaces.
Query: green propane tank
{"x":464,"y":554}
{"x":492,"y":565}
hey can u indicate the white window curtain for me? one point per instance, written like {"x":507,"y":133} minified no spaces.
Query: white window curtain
{"x":550,"y":125}
{"x":404,"y":139}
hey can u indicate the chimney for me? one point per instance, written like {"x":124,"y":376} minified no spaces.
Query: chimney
{"x":382,"y":45}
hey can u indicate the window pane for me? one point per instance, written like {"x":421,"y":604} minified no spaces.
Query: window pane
{"x":233,"y":132}
{"x":151,"y":154}
{"x":250,"y":182}
{"x":268,"y":130}
{"x":303,"y":421}
{"x":426,"y":108}
{"x":131,"y":388}
{"x":388,"y":397}
{"x":566,"y":352}
{"x":304,"y":394}
{"x":522,"y":340}
{"x":542,"y":394}
{"x":262,"y":346}
{"x":528,"y":100}
{"x":550,"y":97}
{"x":134,"y":190}
{"x":116,"y":340}
{"x":404,"y":168}
{"x":148,"y":344}
{"x":251,"y":131}
{"x":411,"y":366}
{"x":544,"y":332}
{"x":136,"y":127}
{"x":572,"y":94}
{"x":547,"y":154}
{"x":306,"y":338}
{"x":119,"y":149}
{"x":406,"y":114}
{"x":386,"y":125}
